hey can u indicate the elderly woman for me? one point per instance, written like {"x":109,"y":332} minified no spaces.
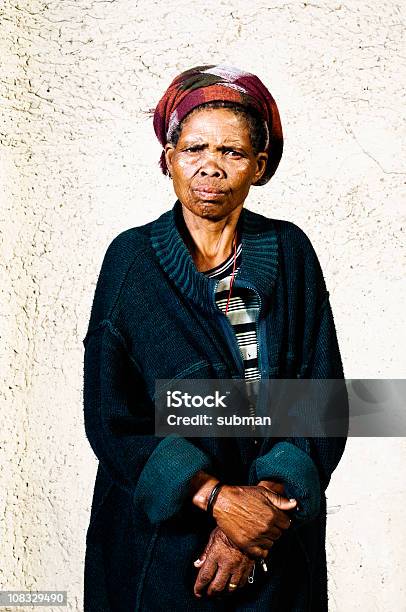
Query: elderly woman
{"x":208,"y":290}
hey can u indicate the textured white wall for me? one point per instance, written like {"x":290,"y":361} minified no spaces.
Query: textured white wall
{"x":79,"y":164}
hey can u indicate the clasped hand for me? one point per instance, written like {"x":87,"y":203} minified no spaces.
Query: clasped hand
{"x":249,"y":520}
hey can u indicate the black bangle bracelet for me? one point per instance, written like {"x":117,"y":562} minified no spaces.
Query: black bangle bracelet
{"x":212,"y":497}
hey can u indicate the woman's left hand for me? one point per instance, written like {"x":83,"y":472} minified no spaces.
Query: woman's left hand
{"x":222,"y":564}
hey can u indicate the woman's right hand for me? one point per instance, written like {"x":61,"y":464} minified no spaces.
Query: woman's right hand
{"x":252,"y":517}
{"x":220,"y":565}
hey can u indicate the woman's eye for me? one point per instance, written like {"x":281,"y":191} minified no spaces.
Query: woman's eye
{"x":233,"y":153}
{"x":192,"y":149}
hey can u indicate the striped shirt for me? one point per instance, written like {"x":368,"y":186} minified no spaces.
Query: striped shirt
{"x":243,"y":309}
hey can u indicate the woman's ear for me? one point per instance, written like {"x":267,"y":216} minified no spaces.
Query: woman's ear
{"x":169,"y":151}
{"x":262,"y":160}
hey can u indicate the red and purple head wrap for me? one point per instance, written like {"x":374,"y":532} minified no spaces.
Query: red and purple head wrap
{"x":219,"y":83}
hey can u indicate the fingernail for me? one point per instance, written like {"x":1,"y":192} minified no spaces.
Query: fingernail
{"x":292,"y":499}
{"x":197,"y":562}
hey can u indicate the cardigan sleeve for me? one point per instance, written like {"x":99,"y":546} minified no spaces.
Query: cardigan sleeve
{"x":119,"y":424}
{"x":303,"y":464}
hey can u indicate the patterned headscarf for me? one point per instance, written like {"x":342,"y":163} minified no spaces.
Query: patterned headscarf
{"x":219,"y":83}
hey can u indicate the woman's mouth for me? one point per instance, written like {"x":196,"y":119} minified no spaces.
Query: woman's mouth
{"x":209,"y":194}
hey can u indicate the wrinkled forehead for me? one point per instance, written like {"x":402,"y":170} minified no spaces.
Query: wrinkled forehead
{"x":209,"y":114}
{"x":216,"y":124}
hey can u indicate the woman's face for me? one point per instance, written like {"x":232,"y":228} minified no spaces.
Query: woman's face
{"x":213,"y":164}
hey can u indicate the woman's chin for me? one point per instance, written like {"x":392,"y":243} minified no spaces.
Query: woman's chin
{"x":204,"y":208}
{"x":210,"y":210}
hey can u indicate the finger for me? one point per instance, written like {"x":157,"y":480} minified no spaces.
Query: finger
{"x":199,"y":562}
{"x":275,"y":533}
{"x":204,"y":577}
{"x":260,"y":549}
{"x":283,"y":503}
{"x":245,"y":575}
{"x":262,"y":542}
{"x":202,"y":558}
{"x":235,"y":581}
{"x":266,"y":541}
{"x":282,"y":520}
{"x":275,"y":487}
{"x":258,"y":552}
{"x":219,"y":582}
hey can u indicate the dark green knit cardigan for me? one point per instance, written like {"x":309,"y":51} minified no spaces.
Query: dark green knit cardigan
{"x":154,"y":316}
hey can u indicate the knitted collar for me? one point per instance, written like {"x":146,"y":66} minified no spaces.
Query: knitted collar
{"x":259,"y":265}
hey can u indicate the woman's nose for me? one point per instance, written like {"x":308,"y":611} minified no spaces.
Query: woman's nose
{"x":210,"y":167}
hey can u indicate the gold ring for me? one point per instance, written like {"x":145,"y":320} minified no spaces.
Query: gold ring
{"x":232,"y":585}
